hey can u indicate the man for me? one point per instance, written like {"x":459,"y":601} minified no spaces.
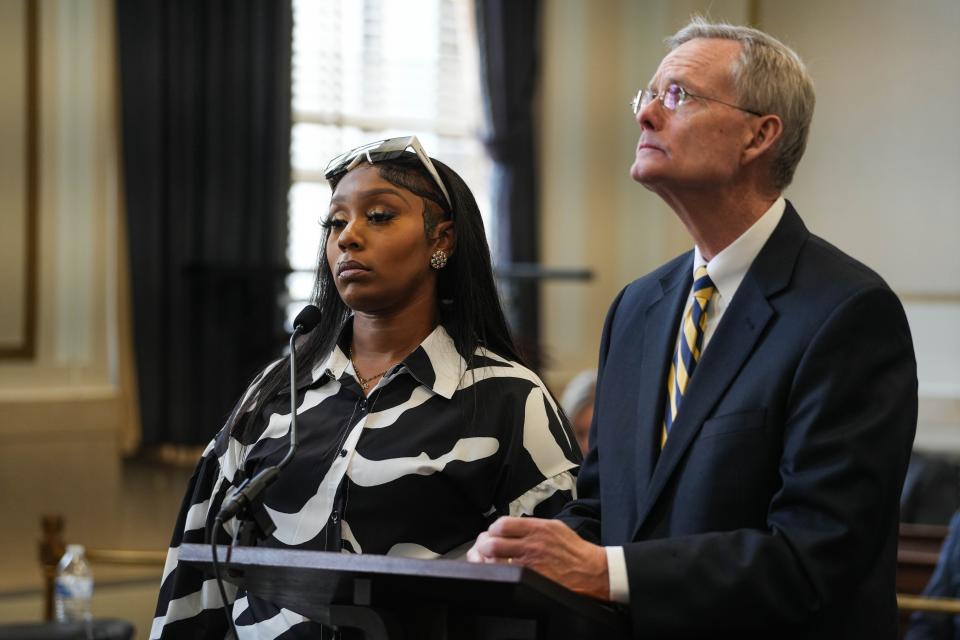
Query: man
{"x":944,"y":583}
{"x":757,"y":397}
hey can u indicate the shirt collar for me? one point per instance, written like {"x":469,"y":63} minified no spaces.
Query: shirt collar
{"x":337,"y":362}
{"x":436,"y":363}
{"x":728,"y":268}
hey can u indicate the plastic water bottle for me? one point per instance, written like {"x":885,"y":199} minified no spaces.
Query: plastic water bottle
{"x":74,"y":586}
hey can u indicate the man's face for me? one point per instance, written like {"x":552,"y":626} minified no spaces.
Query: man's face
{"x":698,"y":146}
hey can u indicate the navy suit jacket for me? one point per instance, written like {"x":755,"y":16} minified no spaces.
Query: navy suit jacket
{"x":772,"y":510}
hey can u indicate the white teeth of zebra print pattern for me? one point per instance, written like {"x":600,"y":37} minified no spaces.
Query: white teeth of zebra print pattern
{"x":208,"y":597}
{"x":303,"y":525}
{"x":404,"y":549}
{"x":521,"y":413}
{"x":264,"y":629}
{"x":370,"y":473}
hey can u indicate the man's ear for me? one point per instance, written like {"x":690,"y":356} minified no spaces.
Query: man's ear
{"x":445,"y":237}
{"x":765,"y":133}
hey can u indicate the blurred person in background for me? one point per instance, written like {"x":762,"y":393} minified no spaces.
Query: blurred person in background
{"x":577,"y":403}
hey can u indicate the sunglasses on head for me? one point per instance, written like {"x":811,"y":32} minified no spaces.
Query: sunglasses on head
{"x":381,"y":151}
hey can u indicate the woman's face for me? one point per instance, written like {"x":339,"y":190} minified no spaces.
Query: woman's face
{"x":378,"y":251}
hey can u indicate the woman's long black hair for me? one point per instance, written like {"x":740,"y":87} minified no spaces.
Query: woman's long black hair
{"x":469,"y":307}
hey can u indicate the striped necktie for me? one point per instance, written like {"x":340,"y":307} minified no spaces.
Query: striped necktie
{"x":688,"y":347}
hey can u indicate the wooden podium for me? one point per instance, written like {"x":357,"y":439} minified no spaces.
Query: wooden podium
{"x":387,"y":598}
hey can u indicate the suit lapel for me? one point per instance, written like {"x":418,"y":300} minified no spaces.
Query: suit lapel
{"x":734,"y":340}
{"x":660,"y":334}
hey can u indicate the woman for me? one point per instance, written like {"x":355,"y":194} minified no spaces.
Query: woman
{"x":418,"y":424}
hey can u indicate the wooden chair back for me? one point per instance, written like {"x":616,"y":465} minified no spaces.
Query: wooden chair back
{"x":52,"y":548}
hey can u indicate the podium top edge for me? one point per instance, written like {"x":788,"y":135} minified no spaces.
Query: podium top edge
{"x":283,"y":561}
{"x":359,"y":563}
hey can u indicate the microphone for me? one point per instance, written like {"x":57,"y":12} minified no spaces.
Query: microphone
{"x":249,"y":489}
{"x":307,"y":319}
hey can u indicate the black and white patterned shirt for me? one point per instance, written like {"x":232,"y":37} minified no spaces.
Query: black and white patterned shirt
{"x":439,"y":449}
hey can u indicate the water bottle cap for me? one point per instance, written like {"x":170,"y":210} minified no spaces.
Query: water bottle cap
{"x":75,"y":549}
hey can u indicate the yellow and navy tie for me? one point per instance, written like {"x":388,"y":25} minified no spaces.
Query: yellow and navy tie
{"x":688,"y":347}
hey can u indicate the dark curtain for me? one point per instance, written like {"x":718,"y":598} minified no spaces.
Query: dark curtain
{"x":507,"y":34}
{"x":205,"y":90}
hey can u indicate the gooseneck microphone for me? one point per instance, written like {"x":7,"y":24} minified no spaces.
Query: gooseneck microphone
{"x":249,"y":489}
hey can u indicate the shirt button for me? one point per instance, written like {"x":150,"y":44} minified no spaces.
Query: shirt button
{"x":363,"y":405}
{"x":343,"y":453}
{"x":334,"y":517}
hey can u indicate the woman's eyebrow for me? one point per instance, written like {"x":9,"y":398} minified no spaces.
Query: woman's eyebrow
{"x":369,"y":193}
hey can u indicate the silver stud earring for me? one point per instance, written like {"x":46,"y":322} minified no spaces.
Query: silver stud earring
{"x":439,"y":259}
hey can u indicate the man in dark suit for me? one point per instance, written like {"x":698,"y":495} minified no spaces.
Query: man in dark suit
{"x":757,"y":396}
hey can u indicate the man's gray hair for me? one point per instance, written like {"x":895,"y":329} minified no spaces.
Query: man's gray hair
{"x":769,"y":77}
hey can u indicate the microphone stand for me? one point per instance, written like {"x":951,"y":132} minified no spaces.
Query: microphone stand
{"x":255,"y":523}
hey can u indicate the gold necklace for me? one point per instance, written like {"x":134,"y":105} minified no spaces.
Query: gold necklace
{"x":364,"y":382}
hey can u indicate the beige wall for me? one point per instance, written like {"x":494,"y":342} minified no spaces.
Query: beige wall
{"x":879,"y":178}
{"x":65,"y":414}
{"x":596,"y":55}
{"x":880,"y":175}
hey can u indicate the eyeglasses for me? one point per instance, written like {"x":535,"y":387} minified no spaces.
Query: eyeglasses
{"x":673,"y":98}
{"x":384,"y":150}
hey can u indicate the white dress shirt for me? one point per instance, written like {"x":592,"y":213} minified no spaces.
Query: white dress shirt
{"x":726,"y":270}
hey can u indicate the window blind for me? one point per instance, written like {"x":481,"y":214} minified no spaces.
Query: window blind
{"x":365,"y":70}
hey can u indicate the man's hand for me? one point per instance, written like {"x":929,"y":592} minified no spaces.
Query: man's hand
{"x":549,"y":547}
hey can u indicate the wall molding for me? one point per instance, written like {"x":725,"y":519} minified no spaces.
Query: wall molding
{"x":74,"y":416}
{"x":929,"y":297}
{"x":27,"y":347}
